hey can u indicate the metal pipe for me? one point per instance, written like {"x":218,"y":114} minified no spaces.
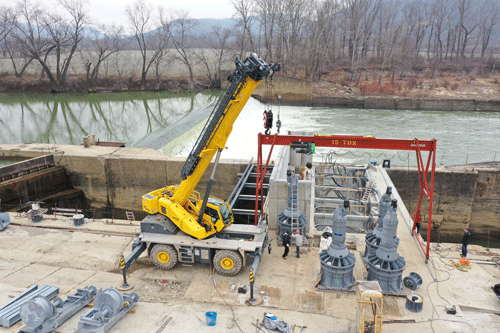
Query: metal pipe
{"x":209,"y":187}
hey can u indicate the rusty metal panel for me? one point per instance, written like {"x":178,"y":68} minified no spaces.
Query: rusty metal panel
{"x":36,"y":163}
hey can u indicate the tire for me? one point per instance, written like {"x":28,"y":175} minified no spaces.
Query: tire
{"x":228,"y":262}
{"x":164,"y":256}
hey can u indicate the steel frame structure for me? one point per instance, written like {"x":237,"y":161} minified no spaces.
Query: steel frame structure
{"x":363,"y":142}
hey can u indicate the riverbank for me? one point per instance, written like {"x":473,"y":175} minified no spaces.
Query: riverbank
{"x":412,"y":93}
{"x":30,"y":84}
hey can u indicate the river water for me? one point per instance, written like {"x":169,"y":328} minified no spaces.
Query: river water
{"x":171,"y":124}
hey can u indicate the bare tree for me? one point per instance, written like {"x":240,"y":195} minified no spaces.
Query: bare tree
{"x":440,"y":10}
{"x":490,"y":15}
{"x":101,"y":44}
{"x":161,"y":42}
{"x":269,"y":13}
{"x":30,"y":37}
{"x":20,"y":61}
{"x":359,"y":17}
{"x":182,"y":39}
{"x":7,"y":22}
{"x":74,"y":30}
{"x":140,"y":18}
{"x":292,"y":32}
{"x":466,"y":25}
{"x":214,"y":53}
{"x":319,"y":42}
{"x":124,"y":66}
{"x":389,"y":30}
{"x":43,"y":33}
{"x":149,"y":36}
{"x":245,"y":10}
{"x":417,"y":22}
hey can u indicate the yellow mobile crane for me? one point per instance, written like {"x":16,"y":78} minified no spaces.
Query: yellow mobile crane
{"x":181,"y":204}
{"x":179,"y":223}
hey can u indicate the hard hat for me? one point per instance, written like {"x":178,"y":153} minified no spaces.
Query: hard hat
{"x":297,"y":231}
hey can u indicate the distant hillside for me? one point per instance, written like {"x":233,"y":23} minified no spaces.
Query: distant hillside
{"x":202,"y":27}
{"x":207,"y":25}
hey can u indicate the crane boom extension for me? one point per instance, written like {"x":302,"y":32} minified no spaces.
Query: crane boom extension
{"x":181,"y":204}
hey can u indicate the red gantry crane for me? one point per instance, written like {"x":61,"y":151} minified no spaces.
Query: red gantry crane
{"x":362,"y":142}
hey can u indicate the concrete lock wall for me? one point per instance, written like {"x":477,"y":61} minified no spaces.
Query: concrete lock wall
{"x":485,"y":215}
{"x":464,"y":196}
{"x":118,"y":177}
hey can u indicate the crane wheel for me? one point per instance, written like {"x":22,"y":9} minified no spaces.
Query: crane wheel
{"x":164,"y":256}
{"x":228,"y":262}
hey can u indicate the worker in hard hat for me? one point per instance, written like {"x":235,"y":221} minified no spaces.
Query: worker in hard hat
{"x":309,"y":172}
{"x":298,"y":241}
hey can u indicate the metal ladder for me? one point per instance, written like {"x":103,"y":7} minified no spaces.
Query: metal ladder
{"x":186,"y":254}
{"x":368,"y":192}
{"x":130,"y":216}
{"x":295,"y":202}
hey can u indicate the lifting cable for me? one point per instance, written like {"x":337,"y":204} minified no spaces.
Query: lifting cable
{"x":268,"y":112}
{"x":278,"y":121}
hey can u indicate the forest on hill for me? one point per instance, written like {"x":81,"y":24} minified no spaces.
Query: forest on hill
{"x":408,"y":48}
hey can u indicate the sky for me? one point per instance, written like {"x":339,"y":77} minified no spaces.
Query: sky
{"x":113,"y":11}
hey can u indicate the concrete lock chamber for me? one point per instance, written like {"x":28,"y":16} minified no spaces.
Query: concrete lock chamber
{"x":385,"y":264}
{"x":292,"y":219}
{"x":337,"y":262}
{"x":372,"y":239}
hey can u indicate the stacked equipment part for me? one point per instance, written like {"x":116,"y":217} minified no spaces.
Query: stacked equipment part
{"x":292,"y":218}
{"x":10,"y":312}
{"x":109,"y":307}
{"x":372,"y":238}
{"x":413,"y":281}
{"x":414,"y":302}
{"x":41,"y":315}
{"x":386,"y":265}
{"x":337,"y":262}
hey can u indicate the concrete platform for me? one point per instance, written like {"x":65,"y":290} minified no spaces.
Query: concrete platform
{"x":56,"y":252}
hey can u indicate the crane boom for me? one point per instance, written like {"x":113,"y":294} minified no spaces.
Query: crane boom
{"x":181,"y":204}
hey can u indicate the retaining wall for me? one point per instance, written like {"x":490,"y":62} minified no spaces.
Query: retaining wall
{"x":118,"y":177}
{"x":464,"y":196}
{"x":294,"y":91}
{"x":467,"y":195}
{"x":390,"y":103}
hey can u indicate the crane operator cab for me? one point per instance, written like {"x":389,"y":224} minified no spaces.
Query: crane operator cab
{"x":217,"y":214}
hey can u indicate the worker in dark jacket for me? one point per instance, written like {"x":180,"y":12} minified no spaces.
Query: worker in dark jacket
{"x":286,"y":244}
{"x":465,"y":242}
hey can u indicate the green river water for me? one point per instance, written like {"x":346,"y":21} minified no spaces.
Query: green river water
{"x":171,"y":123}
